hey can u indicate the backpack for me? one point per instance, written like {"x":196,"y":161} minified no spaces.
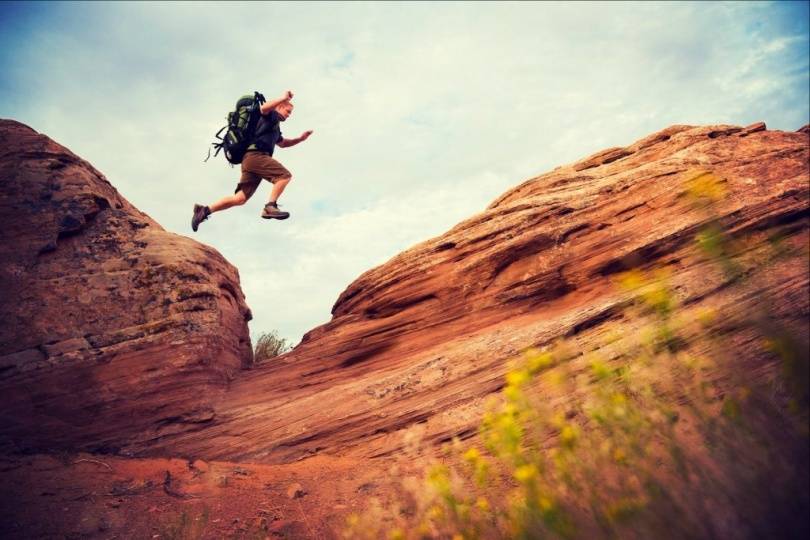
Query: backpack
{"x":241,"y":129}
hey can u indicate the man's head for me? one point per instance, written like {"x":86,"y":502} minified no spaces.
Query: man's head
{"x":284,"y":110}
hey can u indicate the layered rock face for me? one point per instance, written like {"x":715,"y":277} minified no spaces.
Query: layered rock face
{"x":113,"y":330}
{"x":425,"y":338}
{"x":118,"y":335}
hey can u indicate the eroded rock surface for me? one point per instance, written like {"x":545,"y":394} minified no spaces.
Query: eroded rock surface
{"x":114,"y":331}
{"x":419,"y":342}
{"x":422,"y":340}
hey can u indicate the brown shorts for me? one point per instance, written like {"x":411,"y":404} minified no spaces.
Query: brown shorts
{"x":258,"y":165}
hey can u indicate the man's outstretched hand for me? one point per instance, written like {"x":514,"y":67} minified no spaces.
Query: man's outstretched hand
{"x":288,"y":95}
{"x":305,"y":135}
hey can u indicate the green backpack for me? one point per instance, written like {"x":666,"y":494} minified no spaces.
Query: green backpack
{"x":241,"y":128}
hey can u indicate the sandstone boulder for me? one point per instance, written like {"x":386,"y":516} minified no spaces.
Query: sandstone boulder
{"x":113,"y":330}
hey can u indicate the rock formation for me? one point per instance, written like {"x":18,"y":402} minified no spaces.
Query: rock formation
{"x":424,"y":338}
{"x":112,"y":326}
{"x":113,"y":330}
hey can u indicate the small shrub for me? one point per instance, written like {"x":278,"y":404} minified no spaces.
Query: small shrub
{"x":269,"y":345}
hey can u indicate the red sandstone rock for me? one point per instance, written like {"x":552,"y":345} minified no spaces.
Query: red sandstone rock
{"x":113,"y":330}
{"x":423,"y":339}
{"x":419,"y":341}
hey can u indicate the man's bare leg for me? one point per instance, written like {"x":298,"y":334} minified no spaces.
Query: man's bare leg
{"x":201,"y":213}
{"x":278,"y":189}
{"x":237,"y":199}
{"x":271,"y":210}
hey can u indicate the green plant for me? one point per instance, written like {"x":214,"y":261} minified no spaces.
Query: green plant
{"x":269,"y":345}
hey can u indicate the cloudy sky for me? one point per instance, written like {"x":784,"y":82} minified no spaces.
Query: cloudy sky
{"x":423,"y":112}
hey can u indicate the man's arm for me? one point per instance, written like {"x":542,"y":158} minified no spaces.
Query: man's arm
{"x":284,"y":143}
{"x":268,"y":106}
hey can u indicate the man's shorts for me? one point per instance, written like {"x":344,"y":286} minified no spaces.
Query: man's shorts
{"x":258,"y":165}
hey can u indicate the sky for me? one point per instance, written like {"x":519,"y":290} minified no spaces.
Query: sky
{"x":423,"y":113}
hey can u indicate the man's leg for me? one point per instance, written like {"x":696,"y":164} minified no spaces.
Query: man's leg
{"x":271,"y":210}
{"x":278,"y":188}
{"x":269,"y":168}
{"x":237,"y":199}
{"x":243,"y":192}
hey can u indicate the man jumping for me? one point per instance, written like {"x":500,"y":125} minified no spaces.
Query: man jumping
{"x":259,"y":163}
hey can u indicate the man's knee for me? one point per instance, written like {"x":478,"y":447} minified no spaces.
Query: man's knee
{"x":240,"y":198}
{"x":283,"y":180}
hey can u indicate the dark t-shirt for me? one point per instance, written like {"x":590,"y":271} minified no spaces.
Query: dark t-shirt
{"x":268,"y":133}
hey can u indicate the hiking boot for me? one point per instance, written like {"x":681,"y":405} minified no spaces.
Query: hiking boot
{"x":201,"y":213}
{"x":271,"y":211}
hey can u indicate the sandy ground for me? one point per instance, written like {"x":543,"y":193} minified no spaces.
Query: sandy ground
{"x":91,"y":496}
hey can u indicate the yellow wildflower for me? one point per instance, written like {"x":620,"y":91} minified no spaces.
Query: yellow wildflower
{"x":517,"y":378}
{"x":472,"y":455}
{"x":526,"y":473}
{"x":568,"y":436}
